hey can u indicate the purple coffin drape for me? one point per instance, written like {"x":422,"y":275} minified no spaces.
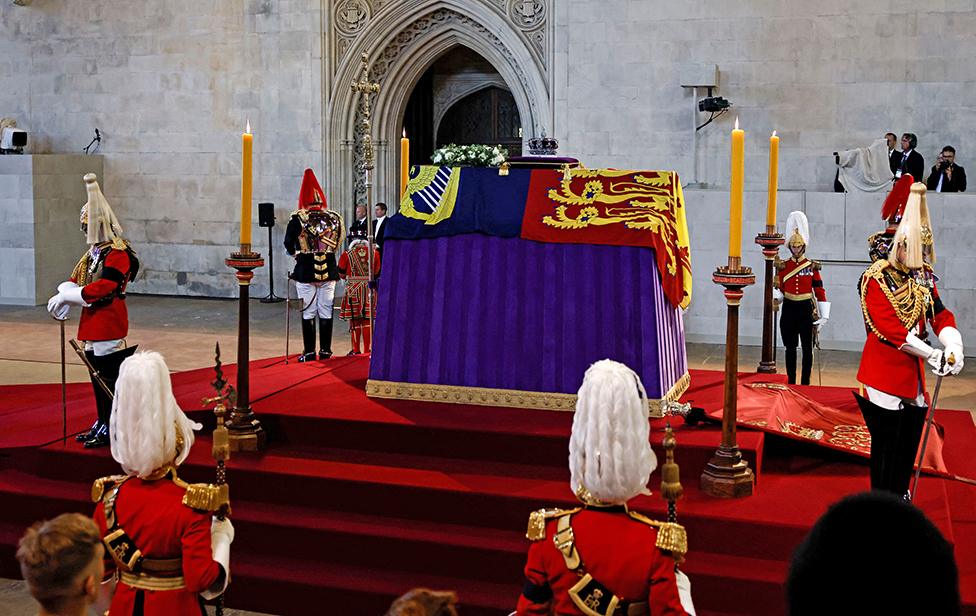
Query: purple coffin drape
{"x":476,"y":311}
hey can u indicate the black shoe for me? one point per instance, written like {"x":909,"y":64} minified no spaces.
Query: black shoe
{"x":84,"y":436}
{"x":323,"y":354}
{"x":352,"y":353}
{"x":304,"y":357}
{"x":100,"y":439}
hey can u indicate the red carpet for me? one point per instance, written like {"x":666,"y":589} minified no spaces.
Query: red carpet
{"x":357,"y":500}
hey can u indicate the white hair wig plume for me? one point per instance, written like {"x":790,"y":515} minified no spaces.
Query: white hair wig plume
{"x":910,"y":231}
{"x":610,"y":454}
{"x":146,"y":420}
{"x":797,"y":223}
{"x":103,"y":226}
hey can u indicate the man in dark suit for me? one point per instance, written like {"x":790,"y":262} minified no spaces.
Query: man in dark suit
{"x":894,"y":156}
{"x":946,"y":175}
{"x":379,"y":225}
{"x":911,"y":161}
{"x":358,"y":227}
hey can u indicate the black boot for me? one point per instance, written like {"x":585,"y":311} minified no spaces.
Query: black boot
{"x":905,"y":451}
{"x":84,"y":436}
{"x":882,"y":424}
{"x":108,"y":367}
{"x":806,"y":366}
{"x":308,"y":340}
{"x":325,"y":338}
{"x":791,"y":365}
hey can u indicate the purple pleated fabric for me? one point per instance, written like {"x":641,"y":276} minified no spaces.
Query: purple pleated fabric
{"x":507,"y":313}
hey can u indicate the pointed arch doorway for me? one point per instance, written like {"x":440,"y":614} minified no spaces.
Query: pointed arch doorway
{"x":461,"y":99}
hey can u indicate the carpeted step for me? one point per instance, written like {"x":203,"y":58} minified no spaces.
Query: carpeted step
{"x":288,"y":586}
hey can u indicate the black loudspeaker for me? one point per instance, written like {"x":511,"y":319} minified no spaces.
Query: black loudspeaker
{"x":266,"y":215}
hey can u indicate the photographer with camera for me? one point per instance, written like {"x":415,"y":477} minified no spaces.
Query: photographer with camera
{"x":946,"y":175}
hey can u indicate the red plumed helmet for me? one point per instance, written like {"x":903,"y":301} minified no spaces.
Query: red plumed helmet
{"x":311,"y":196}
{"x":894,"y":206}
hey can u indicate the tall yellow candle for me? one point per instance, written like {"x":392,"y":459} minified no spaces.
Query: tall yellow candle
{"x":404,"y":162}
{"x":773,"y":180}
{"x":247,"y":141}
{"x":735,"y":196}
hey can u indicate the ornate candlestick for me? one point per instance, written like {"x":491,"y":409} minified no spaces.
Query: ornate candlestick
{"x":244,"y":430}
{"x":727,"y":475}
{"x":770,"y":242}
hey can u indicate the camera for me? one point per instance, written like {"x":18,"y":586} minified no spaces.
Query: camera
{"x":713,"y":104}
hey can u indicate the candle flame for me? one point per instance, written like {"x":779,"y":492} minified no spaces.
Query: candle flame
{"x":248,"y":128}
{"x":404,"y":132}
{"x":736,"y":122}
{"x":774,"y":133}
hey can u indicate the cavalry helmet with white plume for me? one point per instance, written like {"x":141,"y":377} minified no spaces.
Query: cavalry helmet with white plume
{"x":797,"y":229}
{"x":97,"y":218}
{"x":610,"y":455}
{"x":149,"y":431}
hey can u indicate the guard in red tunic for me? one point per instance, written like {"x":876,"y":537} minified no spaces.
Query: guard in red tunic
{"x":358,"y":302}
{"x":601,"y":559}
{"x":164,"y":550}
{"x":898,"y":298}
{"x":799,"y":287}
{"x":313,"y":235}
{"x":98,"y":284}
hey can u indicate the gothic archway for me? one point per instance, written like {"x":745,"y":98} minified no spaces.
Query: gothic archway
{"x":402,"y":40}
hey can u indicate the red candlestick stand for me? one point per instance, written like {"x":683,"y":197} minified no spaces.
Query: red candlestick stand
{"x":244,"y":430}
{"x":727,"y":475}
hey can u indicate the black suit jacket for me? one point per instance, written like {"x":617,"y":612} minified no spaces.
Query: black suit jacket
{"x":358,"y":226}
{"x":914,"y":164}
{"x":956,"y":184}
{"x":379,"y":236}
{"x":894,"y":160}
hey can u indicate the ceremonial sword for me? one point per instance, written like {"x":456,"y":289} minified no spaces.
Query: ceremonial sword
{"x":951,"y":361}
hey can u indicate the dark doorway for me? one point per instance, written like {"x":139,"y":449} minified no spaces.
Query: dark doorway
{"x":489,"y":116}
{"x":461,"y":99}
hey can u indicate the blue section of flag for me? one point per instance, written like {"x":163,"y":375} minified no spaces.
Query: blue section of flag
{"x":486,"y":203}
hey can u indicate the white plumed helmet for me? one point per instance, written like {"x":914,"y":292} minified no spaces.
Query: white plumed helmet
{"x":610,"y":455}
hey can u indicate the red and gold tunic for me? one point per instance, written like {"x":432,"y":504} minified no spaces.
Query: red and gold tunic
{"x":153,"y":515}
{"x":895,"y":303}
{"x":103,"y":272}
{"x":359,"y":300}
{"x":620,"y":549}
{"x":799,"y":280}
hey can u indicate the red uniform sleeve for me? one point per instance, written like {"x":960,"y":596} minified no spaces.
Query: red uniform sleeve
{"x":343,"y":265}
{"x":663,"y":595}
{"x":818,"y":288}
{"x":99,"y":517}
{"x":883,"y":314}
{"x":199,"y":568}
{"x":376,"y":263}
{"x":536,"y":583}
{"x":114,"y":272}
{"x":943,"y":316}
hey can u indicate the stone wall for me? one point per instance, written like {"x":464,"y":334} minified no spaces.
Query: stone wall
{"x":827,"y":75}
{"x":170,"y":85}
{"x":839,"y":227}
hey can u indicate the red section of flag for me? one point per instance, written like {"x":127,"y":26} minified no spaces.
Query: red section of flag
{"x":620,"y":208}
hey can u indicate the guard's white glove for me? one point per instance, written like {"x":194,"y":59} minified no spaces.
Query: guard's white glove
{"x":824,"y":309}
{"x":684,"y":592}
{"x":914,"y":346}
{"x":777,"y":296}
{"x":221,"y":536}
{"x":57,"y":308}
{"x":951,"y":339}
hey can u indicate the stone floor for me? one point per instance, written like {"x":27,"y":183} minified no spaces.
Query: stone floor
{"x":184,"y":330}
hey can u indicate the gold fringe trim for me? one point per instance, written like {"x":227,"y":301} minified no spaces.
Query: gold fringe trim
{"x":148,"y":582}
{"x":487,"y":396}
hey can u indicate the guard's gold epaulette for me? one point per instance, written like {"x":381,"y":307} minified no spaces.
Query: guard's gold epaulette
{"x":205,"y":496}
{"x":103,"y":483}
{"x":671,"y":536}
{"x":778,"y":263}
{"x":537,"y":521}
{"x":816,"y":265}
{"x":876,"y":270}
